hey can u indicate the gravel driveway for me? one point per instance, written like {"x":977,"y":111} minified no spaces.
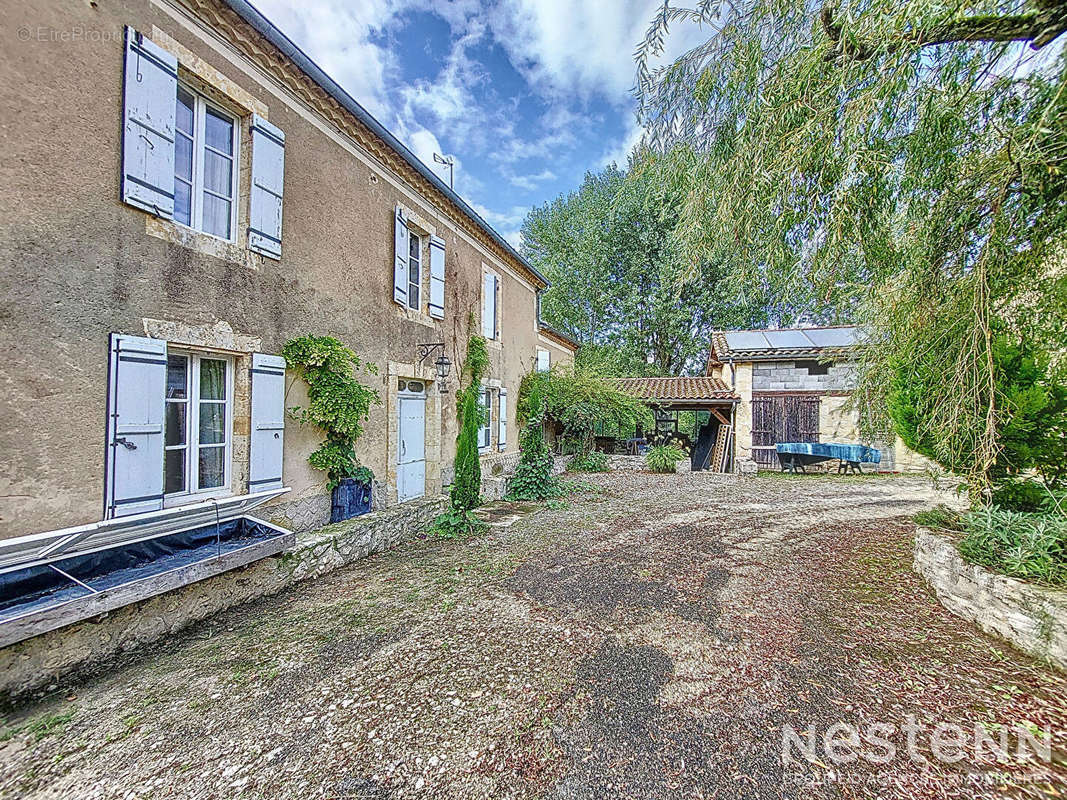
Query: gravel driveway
{"x":645,"y":637}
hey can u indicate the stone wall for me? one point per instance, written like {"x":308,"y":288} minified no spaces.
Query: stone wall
{"x":495,"y":486}
{"x":43,"y":659}
{"x":779,"y":376}
{"x":1032,"y":618}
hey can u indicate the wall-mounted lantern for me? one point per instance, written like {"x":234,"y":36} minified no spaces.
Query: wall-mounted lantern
{"x":443,"y":364}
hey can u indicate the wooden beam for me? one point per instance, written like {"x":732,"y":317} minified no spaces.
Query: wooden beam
{"x":719,"y":416}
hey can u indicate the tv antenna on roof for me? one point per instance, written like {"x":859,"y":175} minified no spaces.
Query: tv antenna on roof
{"x":449,"y":162}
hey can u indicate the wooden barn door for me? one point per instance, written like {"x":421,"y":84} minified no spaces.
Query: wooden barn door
{"x":782,"y":418}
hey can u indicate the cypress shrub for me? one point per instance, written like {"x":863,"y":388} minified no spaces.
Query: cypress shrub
{"x":467,"y":484}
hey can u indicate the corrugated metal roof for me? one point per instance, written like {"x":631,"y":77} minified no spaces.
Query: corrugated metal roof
{"x":667,"y":389}
{"x":756,"y":345}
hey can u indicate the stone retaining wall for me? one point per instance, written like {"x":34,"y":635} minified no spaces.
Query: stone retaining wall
{"x":637,"y":464}
{"x":36,"y":662}
{"x":495,"y":487}
{"x":1032,"y":618}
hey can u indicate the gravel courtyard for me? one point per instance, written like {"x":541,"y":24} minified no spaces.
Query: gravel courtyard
{"x":644,"y":637}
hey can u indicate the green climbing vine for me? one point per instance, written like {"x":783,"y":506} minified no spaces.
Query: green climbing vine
{"x":337,"y":403}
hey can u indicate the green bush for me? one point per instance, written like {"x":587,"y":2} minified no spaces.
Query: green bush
{"x":940,"y":516}
{"x":1021,"y":495}
{"x":1030,"y":396}
{"x":457,"y":524}
{"x":580,"y":399}
{"x":533,"y":478}
{"x":1028,"y":546}
{"x":663,"y":458}
{"x":590,"y":461}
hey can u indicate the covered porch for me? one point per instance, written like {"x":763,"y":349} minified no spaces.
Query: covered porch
{"x":695,"y":412}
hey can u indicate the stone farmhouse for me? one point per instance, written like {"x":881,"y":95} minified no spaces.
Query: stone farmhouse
{"x":185,"y":191}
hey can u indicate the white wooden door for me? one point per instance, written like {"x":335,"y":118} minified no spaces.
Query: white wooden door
{"x":411,"y":448}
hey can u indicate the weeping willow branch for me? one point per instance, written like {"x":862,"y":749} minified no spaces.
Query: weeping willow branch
{"x":1039,"y":28}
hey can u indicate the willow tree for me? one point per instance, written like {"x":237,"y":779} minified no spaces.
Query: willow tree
{"x":903,"y":161}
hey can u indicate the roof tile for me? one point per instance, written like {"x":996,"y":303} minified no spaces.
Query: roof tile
{"x":696,"y":388}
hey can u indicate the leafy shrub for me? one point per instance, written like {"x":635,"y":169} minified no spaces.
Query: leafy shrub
{"x":589,"y":461}
{"x":1016,"y":495}
{"x":1028,"y":546}
{"x":663,"y":458}
{"x":1031,"y":399}
{"x":940,"y":516}
{"x":457,"y":524}
{"x":533,"y":478}
{"x":579,"y":399}
{"x":337,"y":402}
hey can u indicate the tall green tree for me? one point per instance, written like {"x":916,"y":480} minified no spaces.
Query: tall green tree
{"x":618,"y":276}
{"x":904,"y":162}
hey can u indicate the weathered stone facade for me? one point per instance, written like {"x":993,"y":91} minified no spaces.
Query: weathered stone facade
{"x":1032,"y":618}
{"x":80,"y":264}
{"x":35,"y":662}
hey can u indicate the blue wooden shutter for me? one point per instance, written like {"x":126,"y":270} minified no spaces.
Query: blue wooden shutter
{"x":137,"y":385}
{"x":437,"y":277}
{"x":489,"y":306}
{"x":502,"y":430}
{"x":400,"y":258}
{"x":265,"y":449}
{"x":149,"y":93}
{"x":268,"y":177}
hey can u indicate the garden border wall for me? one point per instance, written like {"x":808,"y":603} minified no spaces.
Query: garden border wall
{"x":37,"y":662}
{"x":1032,"y":618}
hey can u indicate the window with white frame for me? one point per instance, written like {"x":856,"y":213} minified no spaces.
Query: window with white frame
{"x":196,"y":452}
{"x":205,"y":166}
{"x":414,"y":269}
{"x":485,"y":432}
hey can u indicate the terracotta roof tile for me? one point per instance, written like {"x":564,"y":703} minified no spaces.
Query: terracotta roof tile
{"x":699,"y":388}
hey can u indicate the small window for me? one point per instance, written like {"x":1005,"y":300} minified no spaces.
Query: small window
{"x":485,"y":432}
{"x":812,"y":367}
{"x":196,"y":447}
{"x":205,"y":166}
{"x":544,"y":360}
{"x":414,"y":270}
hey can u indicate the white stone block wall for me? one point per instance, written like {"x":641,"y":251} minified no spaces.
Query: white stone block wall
{"x":1032,"y":618}
{"x":781,"y":376}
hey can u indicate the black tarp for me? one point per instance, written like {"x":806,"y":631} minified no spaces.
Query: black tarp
{"x":36,"y":588}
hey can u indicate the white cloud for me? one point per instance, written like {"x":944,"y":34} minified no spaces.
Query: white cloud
{"x":507,"y":223}
{"x":580,"y":47}
{"x":529,"y":182}
{"x":337,"y":36}
{"x":619,"y":152}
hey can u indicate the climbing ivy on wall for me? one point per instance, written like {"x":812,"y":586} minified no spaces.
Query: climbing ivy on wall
{"x":337,"y":403}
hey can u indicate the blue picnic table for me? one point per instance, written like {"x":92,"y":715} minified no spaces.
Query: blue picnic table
{"x":795,"y":455}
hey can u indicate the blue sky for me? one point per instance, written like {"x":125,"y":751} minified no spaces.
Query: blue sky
{"x":525,"y":95}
